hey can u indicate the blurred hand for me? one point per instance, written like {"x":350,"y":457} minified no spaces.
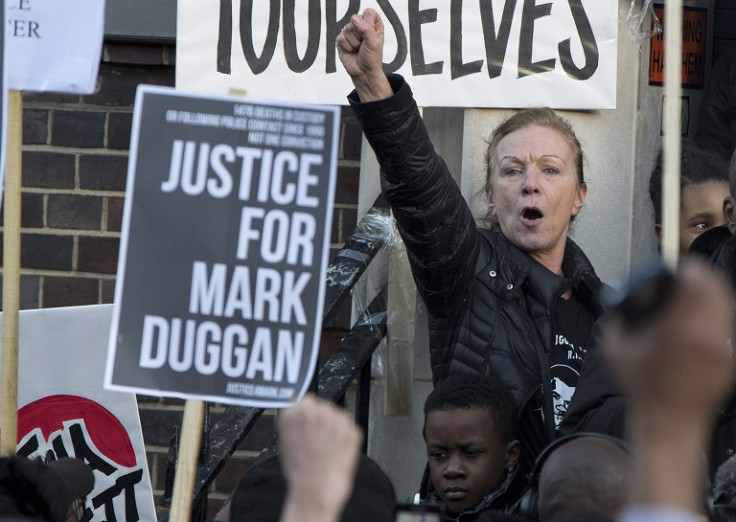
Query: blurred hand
{"x":320,"y":448}
{"x":681,"y":362}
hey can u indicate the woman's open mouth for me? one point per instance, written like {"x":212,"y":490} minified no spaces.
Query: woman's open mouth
{"x":531,"y":216}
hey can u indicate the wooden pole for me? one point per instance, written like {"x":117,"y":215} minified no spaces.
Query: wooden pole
{"x":11,"y":274}
{"x":186,"y":463}
{"x":672,"y":123}
{"x":401,"y":327}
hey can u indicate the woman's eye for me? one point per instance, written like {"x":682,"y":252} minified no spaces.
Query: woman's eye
{"x":551,"y":170}
{"x":700,"y":226}
{"x":512,"y":172}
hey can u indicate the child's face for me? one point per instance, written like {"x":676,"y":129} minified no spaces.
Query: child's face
{"x":701,"y":209}
{"x":466,"y":455}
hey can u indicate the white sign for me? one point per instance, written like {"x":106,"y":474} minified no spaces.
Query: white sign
{"x":63,"y":408}
{"x":54,"y":45}
{"x":475,"y":53}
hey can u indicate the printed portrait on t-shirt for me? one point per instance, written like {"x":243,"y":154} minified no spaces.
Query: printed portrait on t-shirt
{"x":564,"y":379}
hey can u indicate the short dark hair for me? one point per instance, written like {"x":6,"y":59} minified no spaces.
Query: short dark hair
{"x":697,"y":165}
{"x":473,"y":390}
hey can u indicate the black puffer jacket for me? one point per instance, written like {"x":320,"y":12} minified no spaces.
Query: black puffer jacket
{"x":490,"y":305}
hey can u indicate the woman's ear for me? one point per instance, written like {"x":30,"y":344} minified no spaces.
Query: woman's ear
{"x":491,"y":204}
{"x":513,"y":451}
{"x":729,"y":213}
{"x":580,"y":199}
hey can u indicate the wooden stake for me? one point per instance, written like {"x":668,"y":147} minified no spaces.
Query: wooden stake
{"x":401,"y":331}
{"x":186,"y":463}
{"x":672,"y":133}
{"x":11,"y":274}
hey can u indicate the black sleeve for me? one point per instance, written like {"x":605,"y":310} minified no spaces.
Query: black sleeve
{"x":431,"y":213}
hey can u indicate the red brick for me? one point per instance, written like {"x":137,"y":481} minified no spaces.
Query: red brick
{"x":69,"y":291}
{"x":348,"y":182}
{"x":35,"y":126}
{"x":77,"y":128}
{"x":118,"y":129}
{"x":102,"y":172}
{"x":73,"y":212}
{"x":98,"y":254}
{"x":46,"y":251}
{"x":115,"y":208}
{"x":31,"y":212}
{"x":48,"y":170}
{"x":352,"y":137}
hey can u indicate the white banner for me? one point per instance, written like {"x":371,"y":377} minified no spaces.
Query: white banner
{"x":54,"y":45}
{"x":476,"y":53}
{"x":64,"y":411}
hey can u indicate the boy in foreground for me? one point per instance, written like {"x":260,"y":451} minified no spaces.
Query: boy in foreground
{"x":470,"y":424}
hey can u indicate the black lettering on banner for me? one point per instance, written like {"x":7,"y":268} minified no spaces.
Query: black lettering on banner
{"x":29,"y":447}
{"x":590,"y":47}
{"x":529,"y":14}
{"x":124,"y":484}
{"x":333,"y":26}
{"x":401,"y":43}
{"x":21,"y":5}
{"x":83,"y":451}
{"x":225,"y":37}
{"x":457,"y":67}
{"x":496,"y":44}
{"x":314,"y":15}
{"x":416,"y":19}
{"x":59,"y":449}
{"x":23,"y":28}
{"x":258,"y":64}
{"x":692,"y":31}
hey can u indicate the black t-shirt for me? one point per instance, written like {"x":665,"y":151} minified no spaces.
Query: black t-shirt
{"x":571,"y":327}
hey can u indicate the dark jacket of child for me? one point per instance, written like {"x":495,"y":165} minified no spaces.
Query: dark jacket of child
{"x":504,"y":499}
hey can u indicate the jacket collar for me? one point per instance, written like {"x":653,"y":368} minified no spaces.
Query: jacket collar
{"x":503,"y":498}
{"x":514,"y":267}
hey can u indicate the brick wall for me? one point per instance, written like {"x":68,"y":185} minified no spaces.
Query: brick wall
{"x":75,"y":154}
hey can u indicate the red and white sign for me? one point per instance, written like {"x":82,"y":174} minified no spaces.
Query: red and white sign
{"x":64,"y":410}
